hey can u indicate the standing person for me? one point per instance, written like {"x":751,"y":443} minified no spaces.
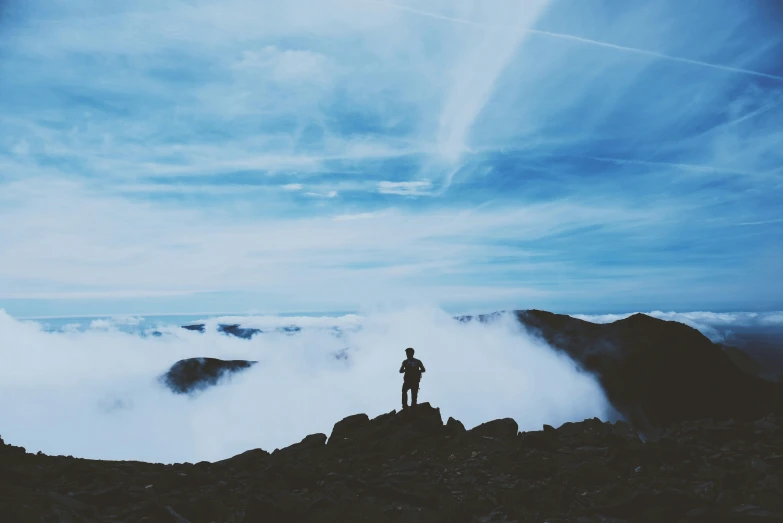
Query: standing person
{"x":412,"y":368}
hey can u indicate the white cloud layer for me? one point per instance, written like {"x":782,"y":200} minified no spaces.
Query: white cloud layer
{"x":164,"y":250}
{"x":93,"y":394}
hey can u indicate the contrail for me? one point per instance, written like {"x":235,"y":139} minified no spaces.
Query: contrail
{"x":578,"y":39}
{"x":656,"y":55}
{"x":634,"y":161}
{"x":423,"y":13}
{"x":763,"y":222}
{"x":447,"y":181}
{"x":684,"y":166}
{"x":739,"y":120}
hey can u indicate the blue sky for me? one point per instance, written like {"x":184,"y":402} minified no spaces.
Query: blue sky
{"x":237,"y":156}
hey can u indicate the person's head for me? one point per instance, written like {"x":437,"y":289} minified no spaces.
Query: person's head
{"x":409,"y":352}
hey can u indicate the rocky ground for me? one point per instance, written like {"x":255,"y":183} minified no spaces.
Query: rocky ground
{"x":410,"y":466}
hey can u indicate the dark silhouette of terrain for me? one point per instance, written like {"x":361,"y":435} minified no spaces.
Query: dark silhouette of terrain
{"x":716,"y":454}
{"x":656,"y":372}
{"x":410,"y":466}
{"x":763,"y":343}
{"x":194,"y":374}
{"x":241,"y":332}
{"x":746,"y":363}
{"x":232,"y":329}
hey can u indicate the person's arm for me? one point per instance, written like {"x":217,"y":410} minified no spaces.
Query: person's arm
{"x":421,"y":365}
{"x":402,"y":367}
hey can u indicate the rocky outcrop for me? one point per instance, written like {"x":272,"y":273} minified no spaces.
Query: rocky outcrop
{"x":656,"y":372}
{"x":238,"y":331}
{"x":231,"y":330}
{"x":194,"y":374}
{"x":409,"y":466}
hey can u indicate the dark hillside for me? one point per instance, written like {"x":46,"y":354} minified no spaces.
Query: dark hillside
{"x":656,"y":372}
{"x":411,"y":467}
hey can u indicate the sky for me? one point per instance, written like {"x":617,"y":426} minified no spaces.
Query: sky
{"x":579,"y":156}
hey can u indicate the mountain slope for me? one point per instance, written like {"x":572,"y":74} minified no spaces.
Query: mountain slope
{"x":656,"y":372}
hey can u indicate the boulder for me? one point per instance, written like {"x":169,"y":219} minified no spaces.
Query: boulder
{"x":499,"y":428}
{"x":454,"y":426}
{"x":348,"y":429}
{"x":195,"y":374}
{"x":238,"y":331}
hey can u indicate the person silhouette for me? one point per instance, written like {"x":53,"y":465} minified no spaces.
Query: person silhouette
{"x":412,"y":368}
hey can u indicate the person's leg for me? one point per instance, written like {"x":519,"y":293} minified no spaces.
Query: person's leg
{"x":405,"y":387}
{"x":414,"y":394}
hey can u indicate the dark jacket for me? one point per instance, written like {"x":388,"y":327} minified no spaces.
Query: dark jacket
{"x":412,"y":368}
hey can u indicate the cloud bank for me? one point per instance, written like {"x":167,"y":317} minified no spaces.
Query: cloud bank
{"x":94,"y":394}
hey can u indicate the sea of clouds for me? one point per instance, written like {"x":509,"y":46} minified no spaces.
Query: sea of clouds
{"x":94,"y":392}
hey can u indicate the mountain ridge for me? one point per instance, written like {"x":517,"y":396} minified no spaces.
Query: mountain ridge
{"x":657,"y":371}
{"x":410,"y":466}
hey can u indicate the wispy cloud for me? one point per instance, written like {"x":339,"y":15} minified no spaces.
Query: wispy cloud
{"x":358,"y":216}
{"x":284,"y":66}
{"x":502,"y":24}
{"x":763,"y":222}
{"x":475,"y":75}
{"x":330,"y":194}
{"x":392,"y":149}
{"x":416,"y":188}
{"x":181,"y":250}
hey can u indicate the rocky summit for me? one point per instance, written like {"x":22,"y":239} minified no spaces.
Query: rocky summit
{"x":411,"y":466}
{"x":194,"y":374}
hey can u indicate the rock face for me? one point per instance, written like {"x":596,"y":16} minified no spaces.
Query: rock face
{"x":231,"y":330}
{"x":237,"y":330}
{"x":193,"y":374}
{"x":656,"y":372}
{"x":409,"y":466}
